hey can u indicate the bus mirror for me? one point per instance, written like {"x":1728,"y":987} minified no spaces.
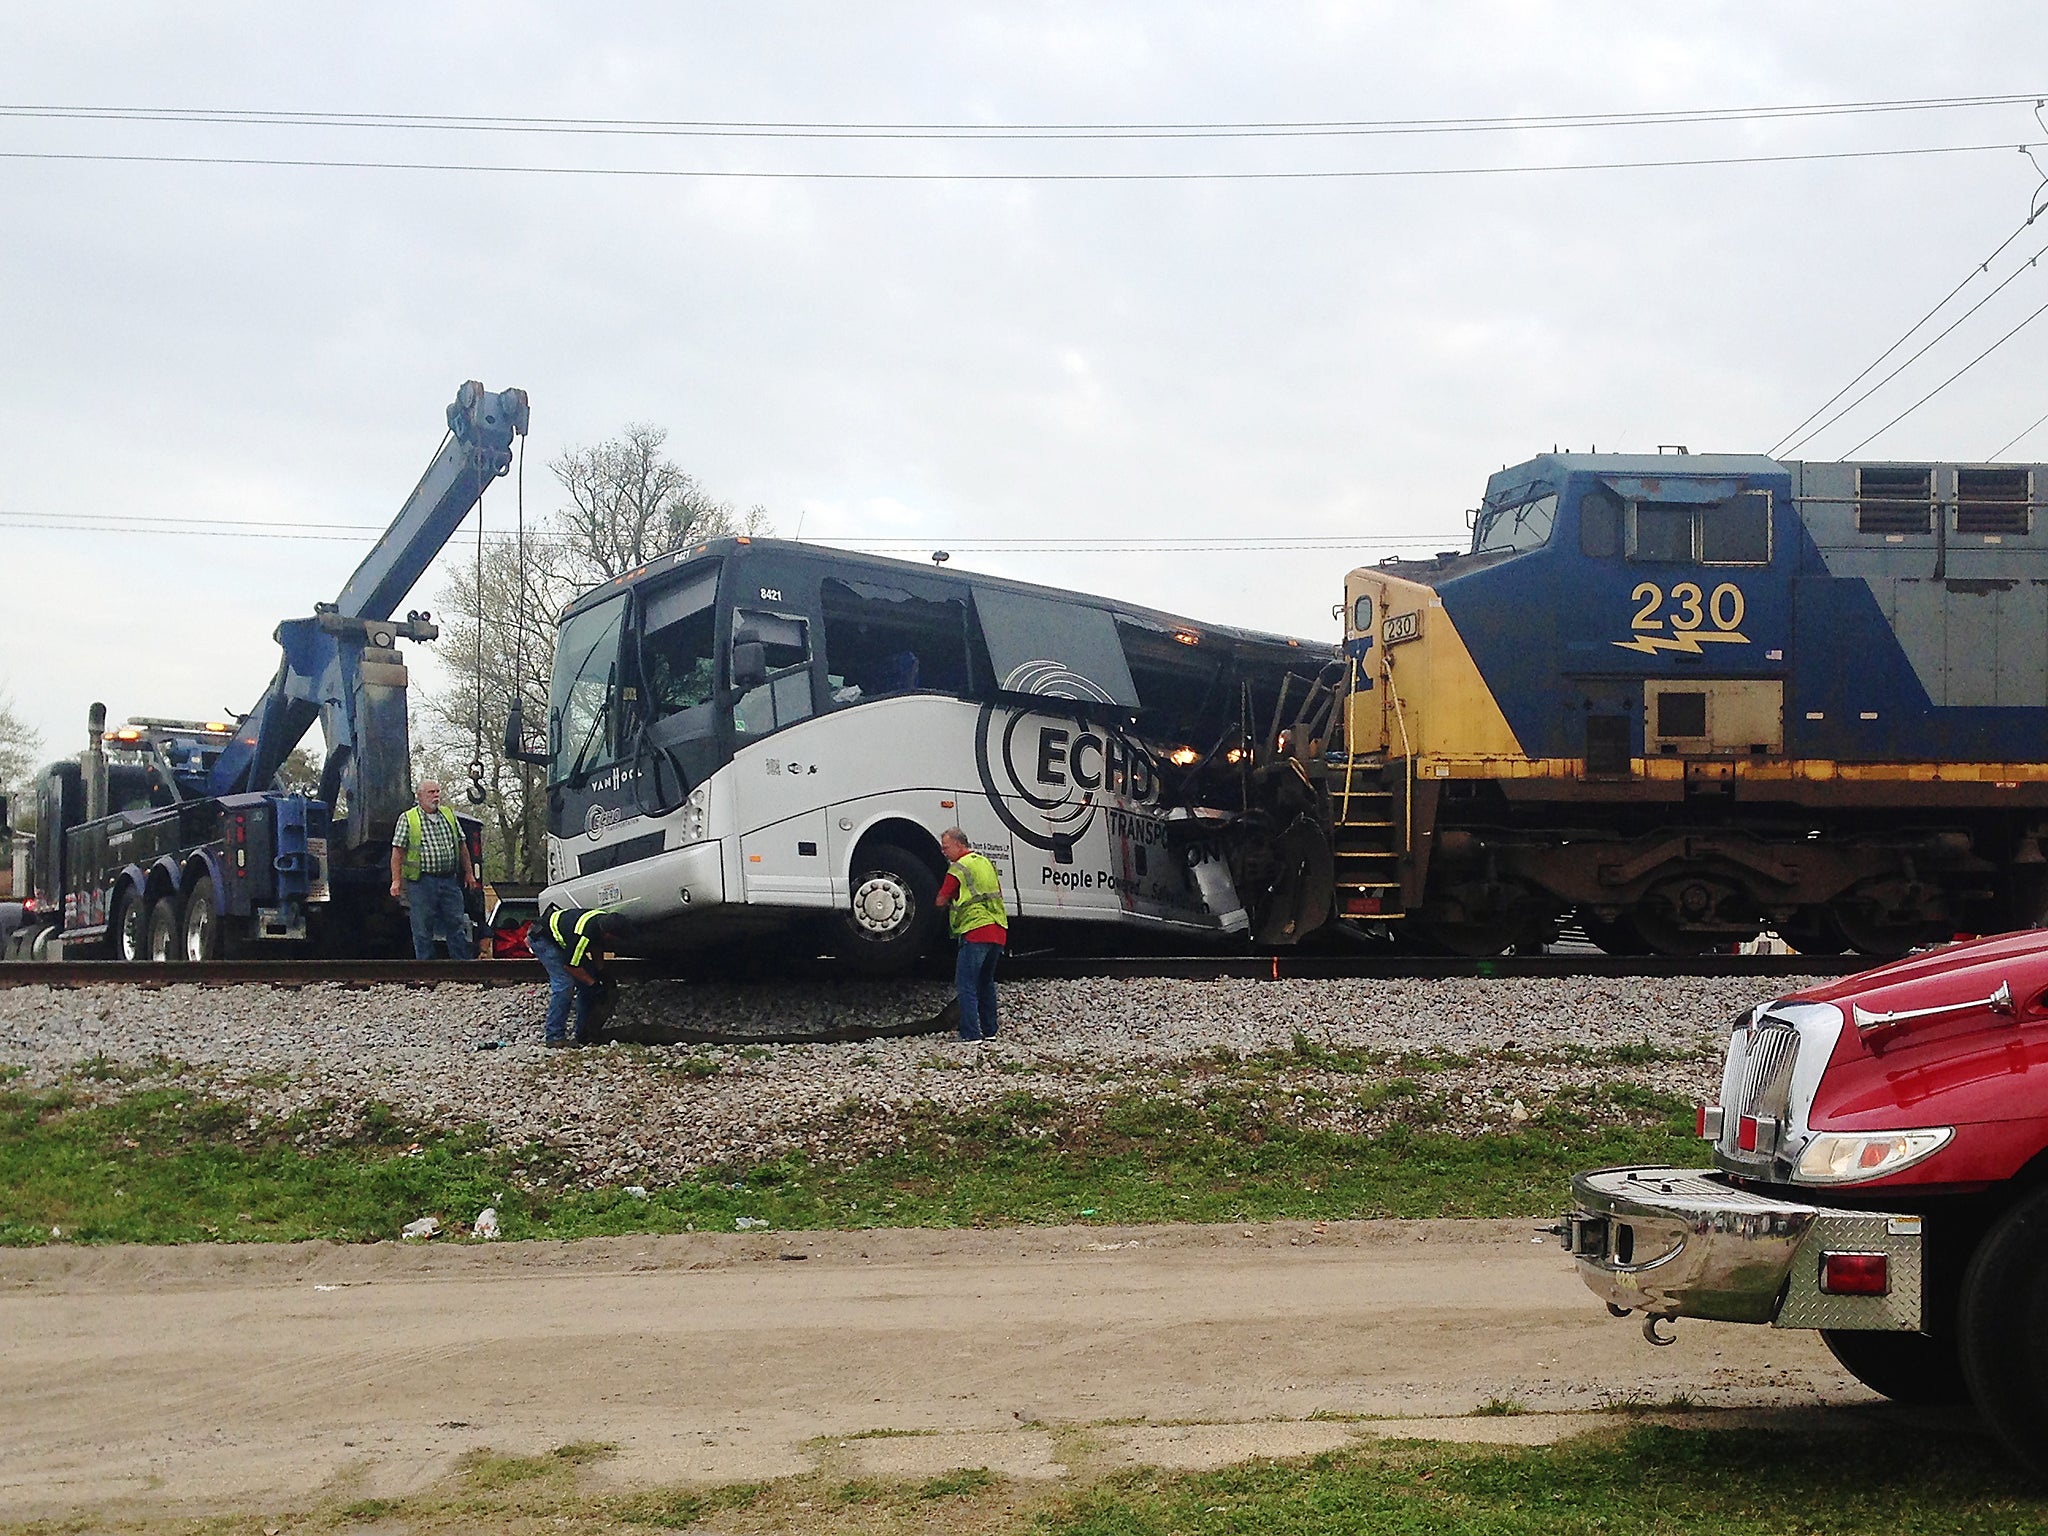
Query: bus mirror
{"x":749,"y":664}
{"x":515,"y":736}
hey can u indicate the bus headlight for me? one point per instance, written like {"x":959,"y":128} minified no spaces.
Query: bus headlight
{"x":695,"y":814}
{"x":1852,"y":1157}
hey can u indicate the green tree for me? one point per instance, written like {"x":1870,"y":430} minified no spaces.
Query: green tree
{"x":626,"y":504}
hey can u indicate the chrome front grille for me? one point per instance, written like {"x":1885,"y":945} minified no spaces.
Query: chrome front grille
{"x":1765,"y":1087}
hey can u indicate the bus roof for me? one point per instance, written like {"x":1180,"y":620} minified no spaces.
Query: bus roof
{"x":885,"y":565}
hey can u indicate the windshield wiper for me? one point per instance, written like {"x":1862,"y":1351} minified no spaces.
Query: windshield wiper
{"x":602,"y":715}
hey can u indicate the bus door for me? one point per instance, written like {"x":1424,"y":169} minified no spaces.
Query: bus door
{"x":780,"y":789}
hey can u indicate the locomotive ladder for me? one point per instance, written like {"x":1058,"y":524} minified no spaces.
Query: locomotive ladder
{"x":1366,"y":841}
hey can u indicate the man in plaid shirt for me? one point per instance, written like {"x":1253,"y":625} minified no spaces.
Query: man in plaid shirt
{"x":427,"y":854}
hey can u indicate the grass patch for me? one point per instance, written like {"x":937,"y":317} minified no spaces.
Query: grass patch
{"x":1646,"y":1478}
{"x":171,"y":1166}
{"x":1651,"y":1479}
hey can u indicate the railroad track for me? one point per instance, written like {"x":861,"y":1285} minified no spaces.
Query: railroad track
{"x":1022,"y":967}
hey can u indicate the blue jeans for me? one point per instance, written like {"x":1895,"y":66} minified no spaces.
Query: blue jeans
{"x":437,"y":908}
{"x":974,"y":978}
{"x":562,"y":987}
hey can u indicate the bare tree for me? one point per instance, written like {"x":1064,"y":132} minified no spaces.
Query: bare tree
{"x":20,"y":746}
{"x":627,"y":504}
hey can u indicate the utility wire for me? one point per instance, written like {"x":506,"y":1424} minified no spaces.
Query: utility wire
{"x":706,"y":128}
{"x":672,"y":173}
{"x":2001,"y":448}
{"x":1927,"y":346}
{"x":55,"y":522}
{"x":1944,"y":384}
{"x":1787,"y":445}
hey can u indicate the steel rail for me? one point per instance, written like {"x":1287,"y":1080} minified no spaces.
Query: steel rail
{"x":1020,"y":967}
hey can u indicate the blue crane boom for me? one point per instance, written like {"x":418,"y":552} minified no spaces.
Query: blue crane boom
{"x":342,"y":666}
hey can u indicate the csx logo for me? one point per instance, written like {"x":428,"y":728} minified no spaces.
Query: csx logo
{"x":1091,"y":760}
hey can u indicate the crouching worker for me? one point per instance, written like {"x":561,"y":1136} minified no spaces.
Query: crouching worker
{"x":571,"y":944}
{"x":973,"y":898}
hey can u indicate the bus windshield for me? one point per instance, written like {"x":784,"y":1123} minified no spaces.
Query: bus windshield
{"x":582,"y":729}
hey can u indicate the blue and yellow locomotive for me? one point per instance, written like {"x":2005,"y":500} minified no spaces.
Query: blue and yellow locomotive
{"x":1681,"y":699}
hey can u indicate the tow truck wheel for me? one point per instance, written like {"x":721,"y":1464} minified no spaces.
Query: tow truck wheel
{"x":129,"y":931}
{"x":165,"y":941}
{"x":890,"y":922}
{"x":201,"y":929}
{"x":1905,"y":1367}
{"x":2004,"y":1331}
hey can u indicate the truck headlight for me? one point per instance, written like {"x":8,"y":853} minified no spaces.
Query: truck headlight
{"x":1851,"y":1157}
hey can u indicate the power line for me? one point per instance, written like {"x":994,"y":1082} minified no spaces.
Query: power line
{"x":1944,"y":384}
{"x":671,"y":173}
{"x":143,"y":524}
{"x":2001,"y":448}
{"x":1785,"y":445}
{"x":711,"y":128}
{"x":1929,"y":345}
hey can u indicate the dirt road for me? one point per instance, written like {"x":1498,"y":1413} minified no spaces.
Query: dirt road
{"x":171,"y":1377}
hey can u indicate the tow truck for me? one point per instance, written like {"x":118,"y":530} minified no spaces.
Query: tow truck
{"x":1879,"y":1173}
{"x":172,"y":839}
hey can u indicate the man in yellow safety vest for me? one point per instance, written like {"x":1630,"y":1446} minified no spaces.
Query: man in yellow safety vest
{"x":973,"y":898}
{"x":570,"y":943}
{"x":430,"y":868}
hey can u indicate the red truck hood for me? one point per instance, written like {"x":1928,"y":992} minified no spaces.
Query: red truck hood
{"x":1975,"y":1064}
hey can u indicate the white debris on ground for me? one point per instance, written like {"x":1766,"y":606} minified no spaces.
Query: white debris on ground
{"x":1347,"y":1055}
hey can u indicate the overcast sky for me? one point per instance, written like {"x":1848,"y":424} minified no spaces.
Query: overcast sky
{"x":1291,"y":358}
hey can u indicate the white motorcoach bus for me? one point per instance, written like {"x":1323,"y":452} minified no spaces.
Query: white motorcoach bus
{"x":753,"y":734}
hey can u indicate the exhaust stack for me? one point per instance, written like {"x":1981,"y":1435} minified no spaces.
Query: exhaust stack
{"x":93,"y":762}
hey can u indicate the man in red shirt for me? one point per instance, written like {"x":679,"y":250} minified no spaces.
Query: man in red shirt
{"x":973,"y":898}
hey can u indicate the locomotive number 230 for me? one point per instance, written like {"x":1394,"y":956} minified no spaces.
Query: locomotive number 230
{"x":1690,"y":608}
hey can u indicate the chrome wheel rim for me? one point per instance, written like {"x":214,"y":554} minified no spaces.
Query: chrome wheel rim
{"x":881,"y":905}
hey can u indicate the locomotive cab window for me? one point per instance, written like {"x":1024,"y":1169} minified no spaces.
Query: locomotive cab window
{"x":1361,"y":615}
{"x":1599,"y":525}
{"x":1516,"y":528}
{"x":1736,"y":531}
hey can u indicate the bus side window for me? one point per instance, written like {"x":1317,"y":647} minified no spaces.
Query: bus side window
{"x":885,"y":639}
{"x":785,"y":697}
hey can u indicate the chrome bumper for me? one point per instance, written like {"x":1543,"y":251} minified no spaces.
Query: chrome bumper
{"x":1684,"y":1242}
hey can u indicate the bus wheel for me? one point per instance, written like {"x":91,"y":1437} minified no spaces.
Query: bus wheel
{"x":892,"y":918}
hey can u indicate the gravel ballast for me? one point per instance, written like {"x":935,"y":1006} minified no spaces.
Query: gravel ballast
{"x":1485,"y":1054}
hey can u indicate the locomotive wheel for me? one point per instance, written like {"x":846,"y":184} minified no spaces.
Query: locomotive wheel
{"x":1661,"y":934}
{"x":128,"y":933}
{"x":1814,"y":932}
{"x":891,"y":920}
{"x":1905,"y":1367}
{"x":166,"y":937}
{"x":2003,"y":1331}
{"x":1619,"y":937}
{"x":1878,"y":939}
